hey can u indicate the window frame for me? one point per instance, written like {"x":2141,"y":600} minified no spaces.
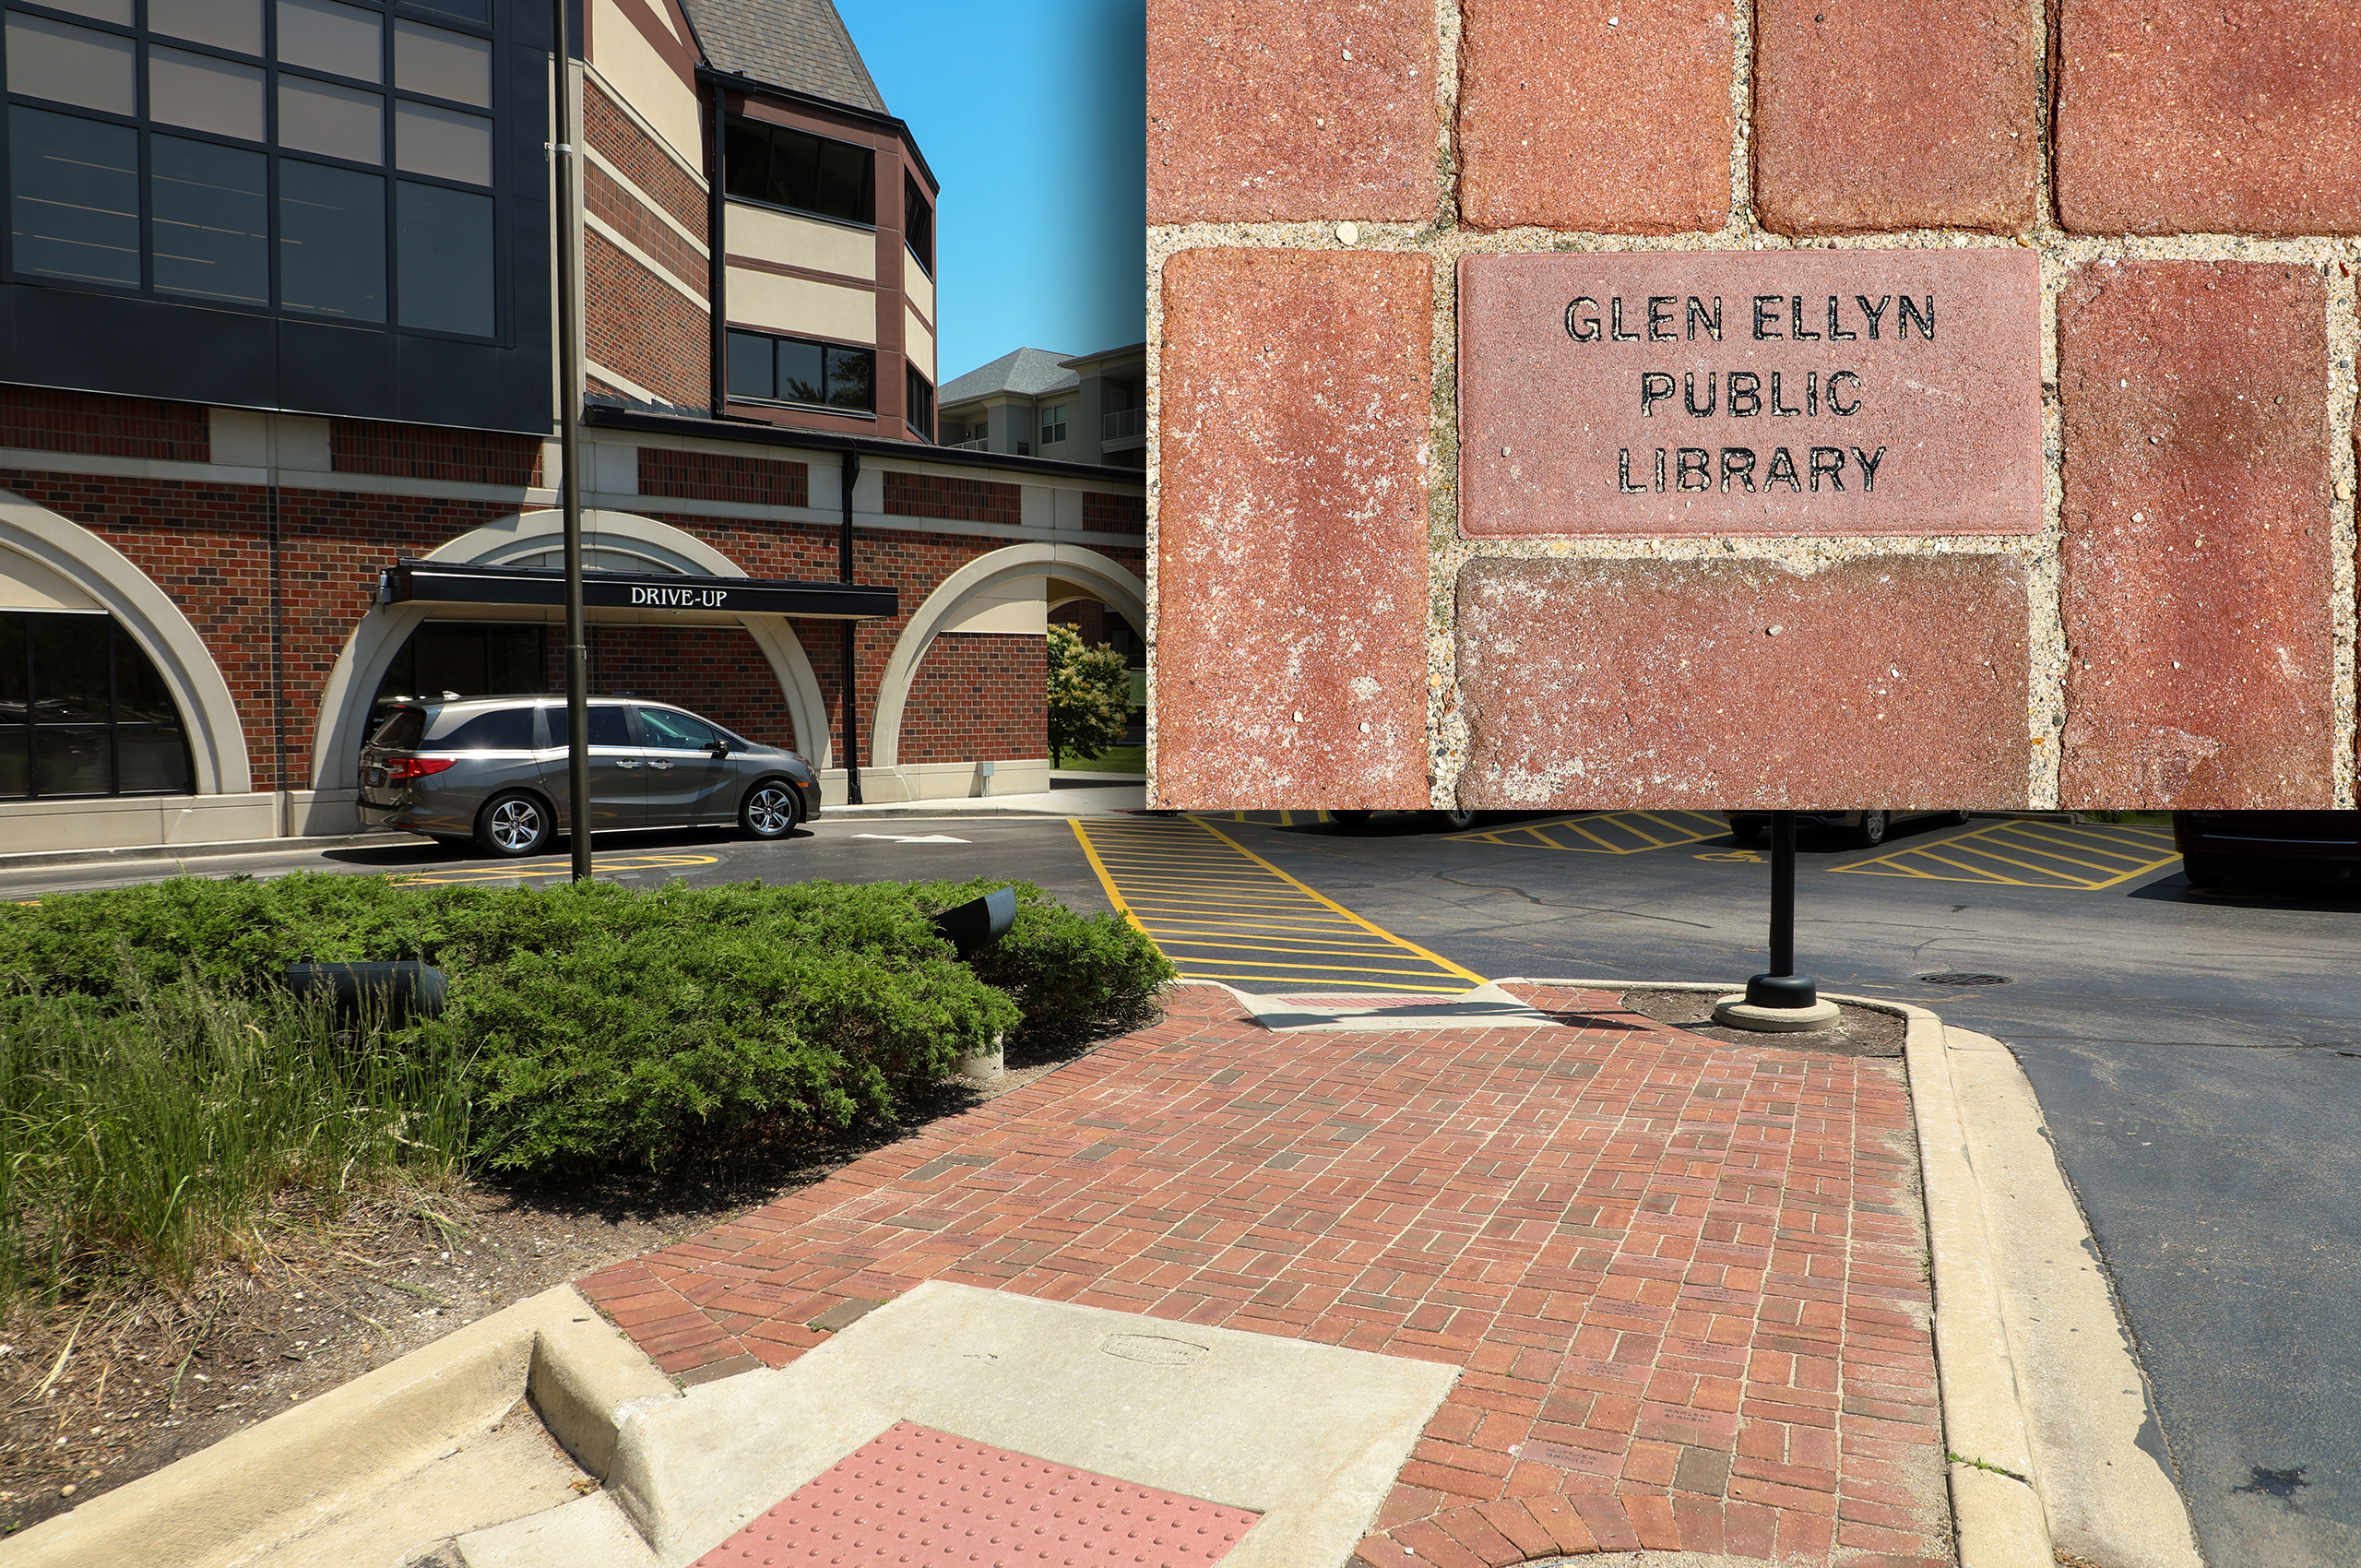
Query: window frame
{"x":26,"y":733}
{"x":498,"y":117}
{"x":770,"y":129}
{"x":1054,"y":418}
{"x":915,"y":388}
{"x":776,"y":401}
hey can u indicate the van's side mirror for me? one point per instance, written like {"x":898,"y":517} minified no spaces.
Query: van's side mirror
{"x":719,"y":748}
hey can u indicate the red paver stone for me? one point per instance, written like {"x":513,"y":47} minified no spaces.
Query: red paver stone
{"x":1603,"y":115}
{"x":2197,"y":568}
{"x":1612,"y":1226}
{"x":1719,"y":684}
{"x":2242,"y":117}
{"x":1290,"y":110}
{"x":912,"y":1494}
{"x":1821,"y":392}
{"x":1894,"y":114}
{"x":1292,"y":567}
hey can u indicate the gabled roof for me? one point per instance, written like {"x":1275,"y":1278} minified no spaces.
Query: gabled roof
{"x":800,"y":46}
{"x":1028,"y":372}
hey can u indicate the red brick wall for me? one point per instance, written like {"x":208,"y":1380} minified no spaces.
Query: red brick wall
{"x":647,"y":166}
{"x":710,"y":476}
{"x":2186,"y":627}
{"x":417,"y":451}
{"x":715,"y":670}
{"x":955,"y":500}
{"x":1114,"y":513}
{"x":639,"y":326}
{"x":980,"y":697}
{"x":40,"y":420}
{"x":610,"y":203}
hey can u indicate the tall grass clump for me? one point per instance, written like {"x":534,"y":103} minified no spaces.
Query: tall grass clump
{"x":139,"y":1133}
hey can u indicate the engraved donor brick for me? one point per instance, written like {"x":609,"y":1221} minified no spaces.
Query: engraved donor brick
{"x":1294,"y":109}
{"x":2242,"y":117}
{"x":1883,"y":682}
{"x":1596,"y":114}
{"x":1767,"y":393}
{"x":2198,"y":572}
{"x":1292,"y":557}
{"x":1898,"y":115}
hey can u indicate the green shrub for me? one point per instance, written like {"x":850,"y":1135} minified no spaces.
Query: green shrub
{"x":604,"y":1026}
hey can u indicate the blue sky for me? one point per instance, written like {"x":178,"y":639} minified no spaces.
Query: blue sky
{"x":1030,"y":112}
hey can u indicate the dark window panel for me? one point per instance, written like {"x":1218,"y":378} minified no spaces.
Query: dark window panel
{"x":69,"y":65}
{"x":140,"y":694}
{"x":607,"y":726}
{"x":15,"y":763}
{"x":74,"y":202}
{"x":445,"y":259}
{"x":477,"y":11}
{"x":752,"y":374}
{"x":747,"y":146}
{"x":212,"y":211}
{"x":852,"y":379}
{"x":516,"y":660}
{"x":918,"y":223}
{"x":69,"y":671}
{"x":72,"y":760}
{"x":13,"y":692}
{"x":153,"y":757}
{"x":921,"y":403}
{"x":802,"y":372}
{"x":331,"y":241}
{"x":841,"y":184}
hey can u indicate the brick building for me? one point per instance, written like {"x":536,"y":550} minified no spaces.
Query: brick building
{"x":276,"y":314}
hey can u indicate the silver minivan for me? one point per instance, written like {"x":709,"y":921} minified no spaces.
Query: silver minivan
{"x":494,"y":770}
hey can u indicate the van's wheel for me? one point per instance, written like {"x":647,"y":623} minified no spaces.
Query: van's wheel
{"x":768,"y":811}
{"x":1871,"y":832}
{"x":2205,"y":871}
{"x":1453,"y":822}
{"x":1354,"y":820}
{"x":514,"y":825}
{"x":1743,"y":833}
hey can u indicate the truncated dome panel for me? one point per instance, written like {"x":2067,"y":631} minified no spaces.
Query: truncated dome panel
{"x":914,"y":1495}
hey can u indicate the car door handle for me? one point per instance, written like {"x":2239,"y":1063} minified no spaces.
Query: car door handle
{"x":654,"y":762}
{"x":621,"y":762}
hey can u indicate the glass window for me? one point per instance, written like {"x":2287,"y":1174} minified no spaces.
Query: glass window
{"x":341,"y":122}
{"x":852,"y":379}
{"x":1053,"y":424}
{"x":212,"y":217}
{"x":401,"y":730}
{"x":69,"y":65}
{"x":442,"y":142}
{"x":918,"y":408}
{"x":225,"y":24}
{"x":606,"y":726}
{"x":918,"y":223}
{"x":331,"y":241}
{"x":751,"y":368}
{"x":446,"y":274}
{"x":115,"y":11}
{"x":791,"y":370}
{"x":466,"y":10}
{"x":204,"y":93}
{"x":442,"y":63}
{"x":471,"y":659}
{"x":82,"y":710}
{"x":673,"y":731}
{"x":502,"y":730}
{"x":74,"y":197}
{"x":802,"y":372}
{"x":344,"y":40}
{"x":792,"y":168}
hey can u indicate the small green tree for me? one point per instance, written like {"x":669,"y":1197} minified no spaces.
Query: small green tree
{"x":1090,"y":696}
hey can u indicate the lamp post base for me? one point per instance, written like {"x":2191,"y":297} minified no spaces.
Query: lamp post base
{"x":1737,"y":1012}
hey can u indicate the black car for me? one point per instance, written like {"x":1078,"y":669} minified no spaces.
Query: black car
{"x":2318,"y":848}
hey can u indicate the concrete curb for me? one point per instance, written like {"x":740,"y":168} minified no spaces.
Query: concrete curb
{"x":33,"y":860}
{"x":241,"y":1498}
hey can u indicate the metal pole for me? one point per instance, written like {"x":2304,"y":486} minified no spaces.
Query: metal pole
{"x":849,"y":472}
{"x":569,"y":362}
{"x":1782,"y":893}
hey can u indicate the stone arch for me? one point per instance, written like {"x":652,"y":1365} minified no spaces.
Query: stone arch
{"x":1101,"y":578}
{"x":71,"y":554}
{"x":619,"y":541}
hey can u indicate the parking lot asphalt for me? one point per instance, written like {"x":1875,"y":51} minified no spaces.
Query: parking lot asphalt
{"x":2197,"y":1054}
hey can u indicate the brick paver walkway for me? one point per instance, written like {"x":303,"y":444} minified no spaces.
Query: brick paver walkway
{"x":1684,"y":1279}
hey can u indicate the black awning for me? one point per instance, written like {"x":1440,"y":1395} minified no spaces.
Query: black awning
{"x":435,"y":582}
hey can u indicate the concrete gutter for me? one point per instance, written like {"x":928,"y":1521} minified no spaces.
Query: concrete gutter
{"x":35,"y":859}
{"x":256,"y":1494}
{"x":2047,"y":1425}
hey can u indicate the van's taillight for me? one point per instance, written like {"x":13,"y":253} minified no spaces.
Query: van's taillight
{"x":406,"y":768}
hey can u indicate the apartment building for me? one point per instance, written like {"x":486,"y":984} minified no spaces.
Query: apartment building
{"x":277,"y":407}
{"x":1085,"y":408}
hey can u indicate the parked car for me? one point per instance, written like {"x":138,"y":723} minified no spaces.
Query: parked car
{"x":496,"y":770}
{"x":1868,"y":829}
{"x":1451,"y":821}
{"x":2308,"y":847}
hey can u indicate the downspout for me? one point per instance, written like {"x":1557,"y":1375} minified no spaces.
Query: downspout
{"x":716,"y":264}
{"x":848,"y":473}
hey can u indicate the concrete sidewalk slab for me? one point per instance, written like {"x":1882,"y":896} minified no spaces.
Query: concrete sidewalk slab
{"x":1485,"y":1007}
{"x":1682,"y":1283}
{"x":1048,"y":802}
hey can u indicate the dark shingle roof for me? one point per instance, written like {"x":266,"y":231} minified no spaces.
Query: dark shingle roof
{"x":1028,"y":372}
{"x":800,"y":46}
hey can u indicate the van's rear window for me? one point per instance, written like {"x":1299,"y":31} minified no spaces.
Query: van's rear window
{"x":401,"y":731}
{"x":502,"y":730}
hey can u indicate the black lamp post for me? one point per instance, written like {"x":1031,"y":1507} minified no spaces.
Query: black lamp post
{"x":1783,"y":988}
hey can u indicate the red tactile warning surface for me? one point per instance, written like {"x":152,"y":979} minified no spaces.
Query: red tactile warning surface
{"x":912,"y":1494}
{"x":1682,"y":1278}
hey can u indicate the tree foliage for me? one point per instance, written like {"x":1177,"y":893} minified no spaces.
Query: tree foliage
{"x":1090,"y":696}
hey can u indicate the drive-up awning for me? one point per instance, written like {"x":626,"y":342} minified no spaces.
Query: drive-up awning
{"x":435,"y":582}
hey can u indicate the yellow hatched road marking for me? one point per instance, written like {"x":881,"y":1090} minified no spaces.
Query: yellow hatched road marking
{"x":2033,"y":854}
{"x":1609,"y":833}
{"x":1234,"y":916}
{"x":501,"y":870}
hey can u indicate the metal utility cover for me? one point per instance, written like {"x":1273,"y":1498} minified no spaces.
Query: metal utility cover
{"x":1752,"y":392}
{"x":913,"y":1494}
